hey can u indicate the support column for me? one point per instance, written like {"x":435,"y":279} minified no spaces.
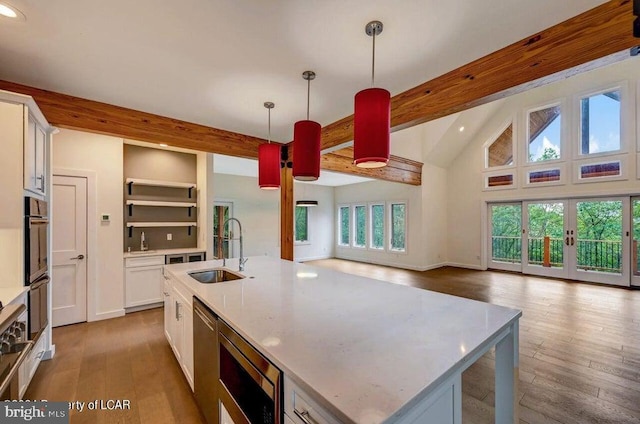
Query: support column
{"x":286,"y":206}
{"x":507,"y":375}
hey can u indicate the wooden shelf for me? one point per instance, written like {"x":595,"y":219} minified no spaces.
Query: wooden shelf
{"x":157,"y":183}
{"x":159,"y":203}
{"x":161,"y":224}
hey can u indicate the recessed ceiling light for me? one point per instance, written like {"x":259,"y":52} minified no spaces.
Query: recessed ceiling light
{"x":164,"y":145}
{"x":461,"y":129}
{"x":10,"y":12}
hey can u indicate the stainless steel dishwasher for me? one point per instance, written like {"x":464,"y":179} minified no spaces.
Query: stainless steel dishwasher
{"x":206,"y":363}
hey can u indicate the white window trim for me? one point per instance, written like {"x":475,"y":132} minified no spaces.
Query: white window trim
{"x":354,"y":230}
{"x":565,"y":151}
{"x":390,"y":203}
{"x":626,"y":120}
{"x":339,"y":226}
{"x":370,"y":226}
{"x":514,"y":145}
{"x":308,"y":241}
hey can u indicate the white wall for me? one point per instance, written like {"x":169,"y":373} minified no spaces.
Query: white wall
{"x":466,"y":200}
{"x":101,"y":155}
{"x":258,"y":211}
{"x":414,"y":257}
{"x":320,"y":222}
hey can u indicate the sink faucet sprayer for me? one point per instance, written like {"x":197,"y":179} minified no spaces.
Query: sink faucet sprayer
{"x":242,"y":259}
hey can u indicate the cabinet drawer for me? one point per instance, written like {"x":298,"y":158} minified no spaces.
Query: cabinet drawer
{"x":301,"y":409}
{"x":143,"y":261}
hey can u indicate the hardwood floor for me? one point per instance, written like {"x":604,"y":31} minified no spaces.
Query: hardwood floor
{"x":579,"y":353}
{"x":124,"y":358}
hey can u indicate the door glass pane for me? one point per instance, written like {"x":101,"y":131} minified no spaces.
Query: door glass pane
{"x":600,"y":123}
{"x":599,"y":236}
{"x":301,"y":224}
{"x":377,"y":226}
{"x":360,"y":226}
{"x":344,"y":226}
{"x":506,"y":227}
{"x":220,"y":239}
{"x":544,"y":238}
{"x":544,"y":134}
{"x":635,"y":253}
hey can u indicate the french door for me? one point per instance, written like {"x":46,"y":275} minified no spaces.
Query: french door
{"x":582,"y":239}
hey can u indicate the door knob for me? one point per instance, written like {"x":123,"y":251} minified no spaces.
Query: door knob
{"x":79,"y":257}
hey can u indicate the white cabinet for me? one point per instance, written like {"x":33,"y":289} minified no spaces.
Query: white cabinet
{"x":35,"y":170}
{"x":143,"y":281}
{"x":299,"y":408}
{"x":178,"y":315}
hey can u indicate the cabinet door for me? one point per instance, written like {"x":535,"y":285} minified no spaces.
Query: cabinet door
{"x":143,"y":285}
{"x":187,"y":340}
{"x":168,"y":308}
{"x":30,"y":182}
{"x":40,"y":159}
{"x":177,"y":333}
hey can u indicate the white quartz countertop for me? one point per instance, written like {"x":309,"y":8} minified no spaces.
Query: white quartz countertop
{"x":363,"y":348}
{"x":9,"y":294}
{"x":160,"y":252}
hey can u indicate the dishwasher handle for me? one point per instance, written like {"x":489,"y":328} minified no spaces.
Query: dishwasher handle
{"x":203,"y":316}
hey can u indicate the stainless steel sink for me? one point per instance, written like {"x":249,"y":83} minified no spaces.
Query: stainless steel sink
{"x":216,"y":275}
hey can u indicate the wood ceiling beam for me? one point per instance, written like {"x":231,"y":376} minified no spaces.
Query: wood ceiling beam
{"x":64,"y":111}
{"x":604,"y":32}
{"x":398,"y":170}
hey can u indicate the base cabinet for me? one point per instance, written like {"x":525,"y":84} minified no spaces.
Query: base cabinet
{"x":143,"y":281}
{"x":178,"y":325}
{"x":30,"y":364}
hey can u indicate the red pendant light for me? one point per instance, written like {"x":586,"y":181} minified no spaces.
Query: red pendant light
{"x":306,"y":143}
{"x":269,"y":160}
{"x":372,"y":121}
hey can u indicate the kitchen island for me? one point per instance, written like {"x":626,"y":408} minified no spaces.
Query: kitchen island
{"x":364,"y":350}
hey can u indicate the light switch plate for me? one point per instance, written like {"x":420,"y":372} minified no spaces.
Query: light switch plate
{"x":169,"y":236}
{"x":105,"y":217}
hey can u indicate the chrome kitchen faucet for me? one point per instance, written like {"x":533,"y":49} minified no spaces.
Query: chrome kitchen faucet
{"x":242,"y":260}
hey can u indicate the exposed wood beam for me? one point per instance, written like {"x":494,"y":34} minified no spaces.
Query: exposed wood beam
{"x":604,"y":32}
{"x":399,"y":170}
{"x":286,"y":213}
{"x":71,"y":112}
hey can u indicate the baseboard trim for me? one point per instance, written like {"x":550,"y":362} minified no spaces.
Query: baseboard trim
{"x":466,"y":266}
{"x":107,"y":315}
{"x":394,"y":264}
{"x":313,"y":258}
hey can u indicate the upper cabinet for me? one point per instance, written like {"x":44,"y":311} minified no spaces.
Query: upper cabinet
{"x":35,"y":143}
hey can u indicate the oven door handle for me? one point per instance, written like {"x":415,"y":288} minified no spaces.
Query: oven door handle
{"x":14,"y":369}
{"x":38,"y":220}
{"x":40,"y":282}
{"x":253,"y":372}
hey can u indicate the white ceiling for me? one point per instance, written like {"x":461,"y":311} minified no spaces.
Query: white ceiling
{"x":215,"y":62}
{"x":249,"y":168}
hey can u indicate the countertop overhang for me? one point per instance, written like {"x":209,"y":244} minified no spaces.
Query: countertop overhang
{"x":366,"y":348}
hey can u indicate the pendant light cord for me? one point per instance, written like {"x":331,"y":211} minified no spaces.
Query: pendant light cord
{"x":269,"y":139}
{"x":308,"y":96}
{"x":373,"y":60}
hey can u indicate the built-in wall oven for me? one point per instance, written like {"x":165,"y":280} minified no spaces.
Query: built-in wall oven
{"x":37,"y":264}
{"x":250,"y":387}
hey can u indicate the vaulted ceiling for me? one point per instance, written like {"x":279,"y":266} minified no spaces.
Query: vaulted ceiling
{"x":213,"y":63}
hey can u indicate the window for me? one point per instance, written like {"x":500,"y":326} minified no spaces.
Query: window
{"x":544,"y":134}
{"x":398,"y":226}
{"x":500,"y":151}
{"x":343,"y":238}
{"x":301,"y":227}
{"x":600,"y":123}
{"x":360,"y":226}
{"x":377,"y":226}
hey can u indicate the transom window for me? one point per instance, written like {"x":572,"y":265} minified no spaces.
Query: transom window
{"x":544,"y":134}
{"x":500,"y":151}
{"x":600,"y":123}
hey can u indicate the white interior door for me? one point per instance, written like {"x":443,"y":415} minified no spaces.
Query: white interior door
{"x":69,"y":271}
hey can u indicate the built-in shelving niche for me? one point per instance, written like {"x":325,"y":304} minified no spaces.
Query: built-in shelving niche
{"x":160,"y":198}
